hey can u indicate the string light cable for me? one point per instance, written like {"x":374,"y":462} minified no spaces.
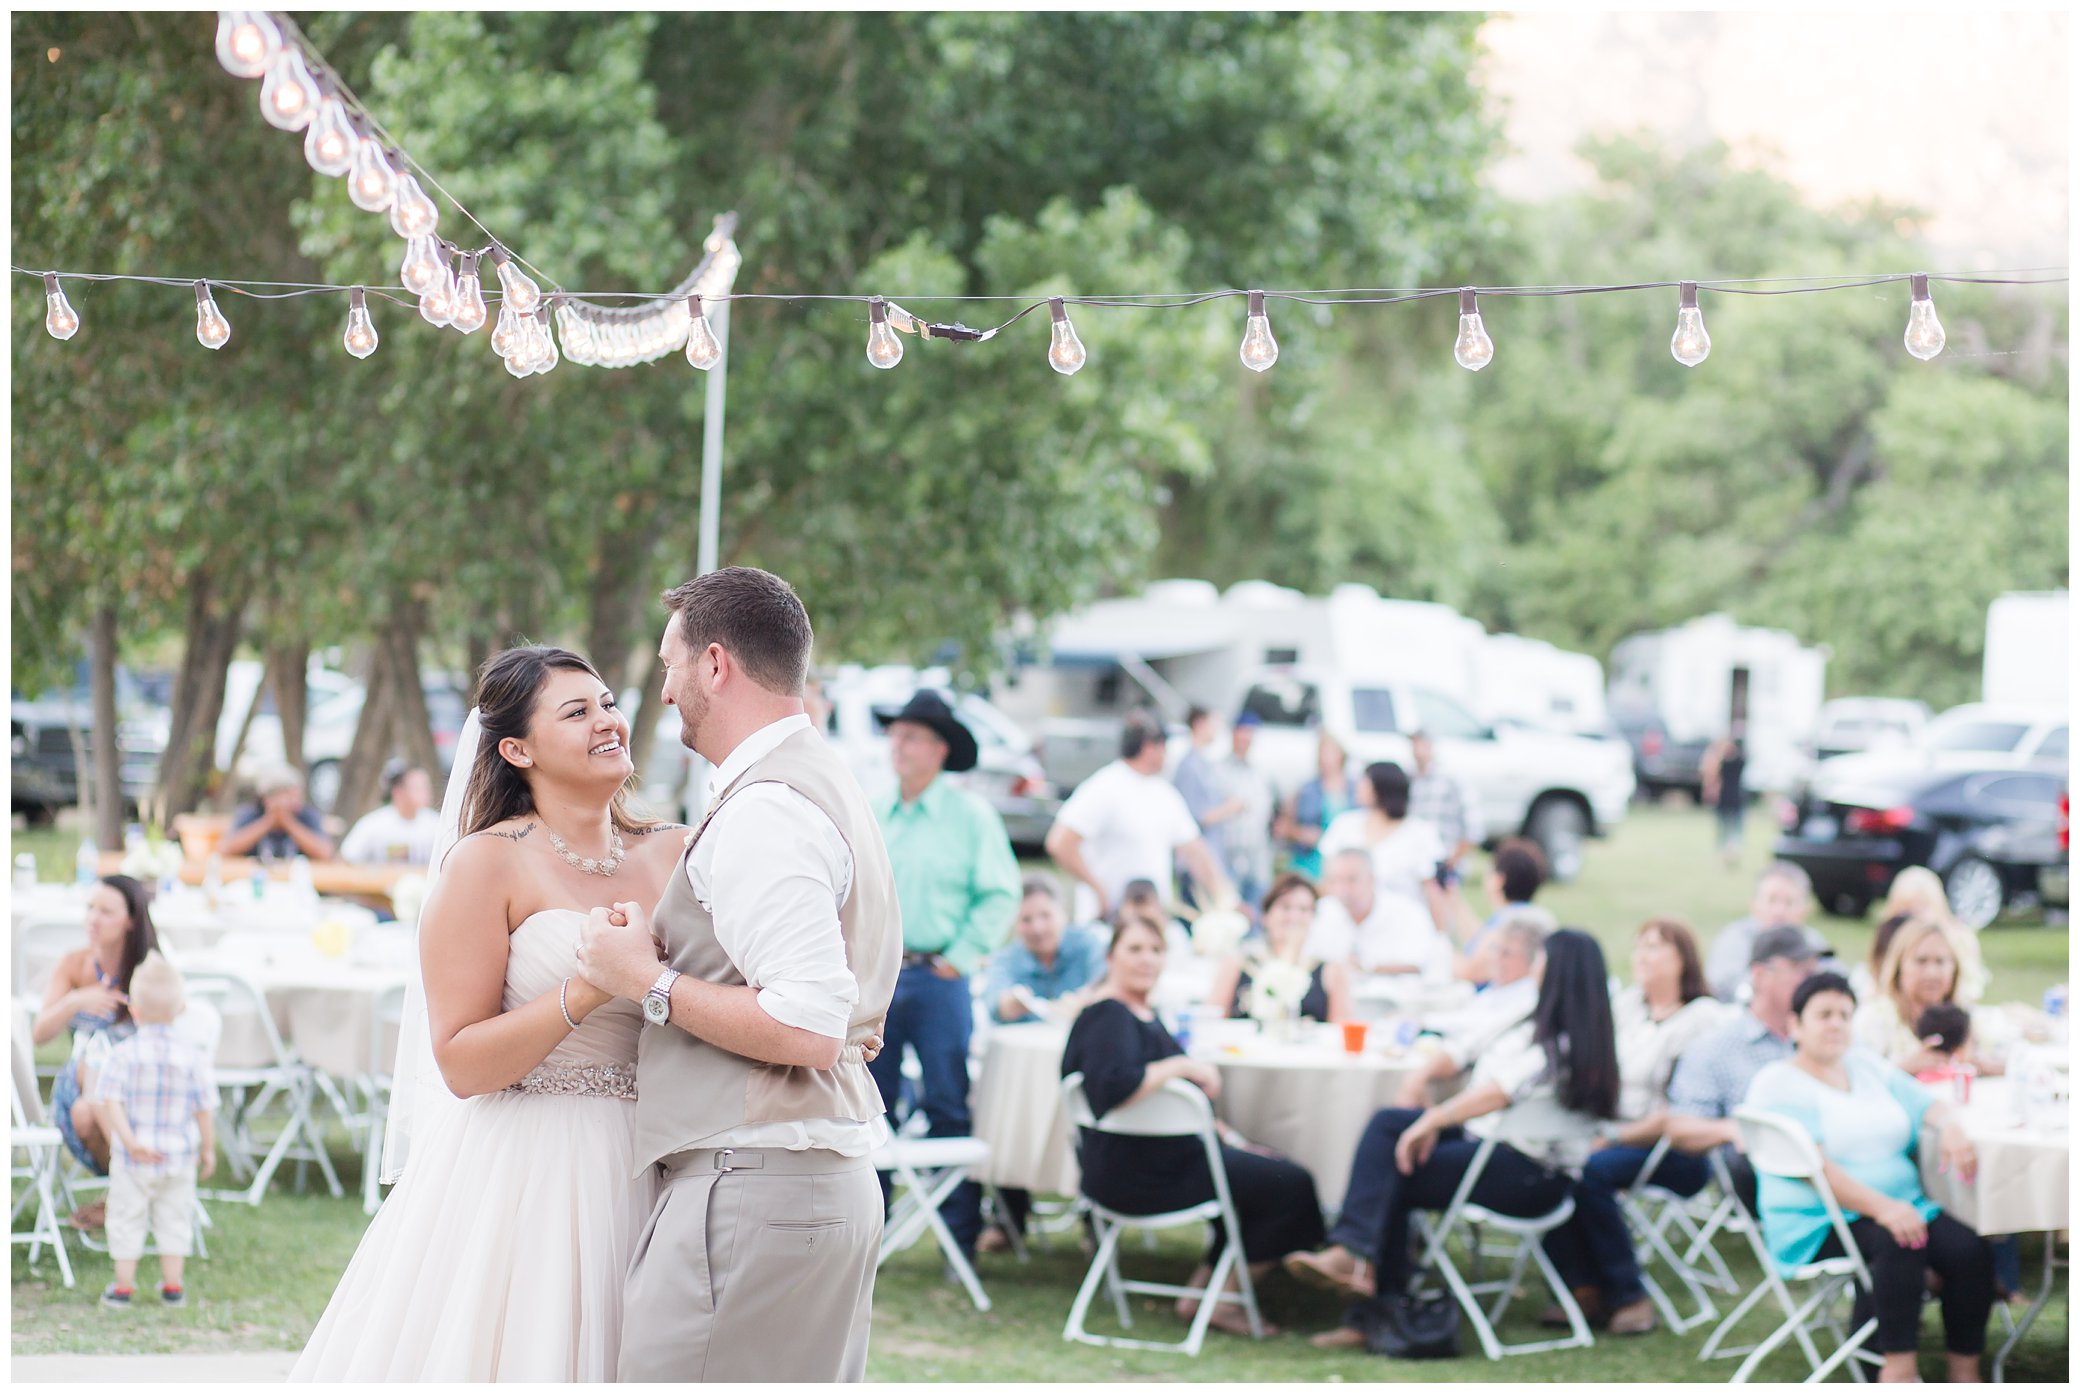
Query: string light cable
{"x":642,"y":328}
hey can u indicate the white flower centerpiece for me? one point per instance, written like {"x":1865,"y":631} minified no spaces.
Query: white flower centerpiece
{"x":1276,"y":990}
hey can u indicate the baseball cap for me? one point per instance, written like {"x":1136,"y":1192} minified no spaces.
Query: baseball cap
{"x":1784,"y":941}
{"x":1247,"y":720}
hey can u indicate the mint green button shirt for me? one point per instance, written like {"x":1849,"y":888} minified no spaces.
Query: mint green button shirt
{"x":956,"y":879}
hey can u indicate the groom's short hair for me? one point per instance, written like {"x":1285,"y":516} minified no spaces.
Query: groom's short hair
{"x":756,"y":616}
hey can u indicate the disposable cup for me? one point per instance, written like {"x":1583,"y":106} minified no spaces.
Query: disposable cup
{"x":1354,"y":1037}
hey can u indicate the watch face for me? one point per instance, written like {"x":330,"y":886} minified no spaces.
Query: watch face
{"x":657,"y":1009}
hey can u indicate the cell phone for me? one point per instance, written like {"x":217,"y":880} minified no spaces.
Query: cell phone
{"x":1447,"y":875}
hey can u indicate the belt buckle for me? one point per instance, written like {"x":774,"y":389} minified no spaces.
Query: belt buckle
{"x":722,"y":1161}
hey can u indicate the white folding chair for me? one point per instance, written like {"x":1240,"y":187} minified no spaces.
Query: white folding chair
{"x":1531,"y":1123}
{"x":386,"y":1015}
{"x":37,"y":946}
{"x":926,"y":1170}
{"x":1651,"y":1212}
{"x":1779,"y":1147}
{"x":1175,"y":1110}
{"x":39,"y":1146}
{"x":250,"y":1081}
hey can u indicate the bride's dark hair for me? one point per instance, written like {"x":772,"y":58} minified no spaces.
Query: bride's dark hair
{"x":507,"y":689}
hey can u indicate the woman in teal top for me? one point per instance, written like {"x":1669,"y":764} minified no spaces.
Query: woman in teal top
{"x":1867,"y":1118}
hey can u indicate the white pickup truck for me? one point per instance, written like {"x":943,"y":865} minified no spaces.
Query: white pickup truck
{"x":1556,"y":789}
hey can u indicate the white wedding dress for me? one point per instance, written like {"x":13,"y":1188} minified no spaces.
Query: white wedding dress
{"x":501,"y":1254}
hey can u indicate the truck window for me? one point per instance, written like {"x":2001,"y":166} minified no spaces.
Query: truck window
{"x":2053,"y":746}
{"x":1285,"y":702}
{"x":2002,"y":736}
{"x":1372,"y":710}
{"x":1443,"y":717}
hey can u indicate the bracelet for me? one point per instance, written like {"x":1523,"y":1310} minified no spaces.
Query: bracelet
{"x":563,"y":1003}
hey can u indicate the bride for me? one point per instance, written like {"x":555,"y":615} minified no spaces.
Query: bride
{"x":501,"y":1253}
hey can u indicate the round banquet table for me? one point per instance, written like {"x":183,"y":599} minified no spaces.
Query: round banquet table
{"x":2022,"y":1185}
{"x":323,"y":1006}
{"x":1307,"y":1098}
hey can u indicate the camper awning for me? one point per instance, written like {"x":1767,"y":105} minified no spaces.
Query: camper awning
{"x":1098,"y":637}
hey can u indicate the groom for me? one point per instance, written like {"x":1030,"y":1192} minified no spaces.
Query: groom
{"x":781,"y":943}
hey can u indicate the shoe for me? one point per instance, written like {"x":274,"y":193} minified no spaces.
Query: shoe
{"x":90,"y":1216}
{"x":993,"y":1241}
{"x":1633,"y":1319}
{"x":113,"y":1296}
{"x":1589,"y":1299}
{"x":1334,"y":1269}
{"x":172,"y":1296}
{"x":1342,"y":1338}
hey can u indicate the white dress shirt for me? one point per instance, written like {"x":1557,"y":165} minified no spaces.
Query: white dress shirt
{"x":774,"y":871}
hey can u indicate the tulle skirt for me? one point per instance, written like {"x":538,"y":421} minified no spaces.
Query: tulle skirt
{"x":500,"y":1256}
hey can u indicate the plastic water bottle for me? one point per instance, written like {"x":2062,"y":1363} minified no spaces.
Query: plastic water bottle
{"x":1183,"y":1033}
{"x":25,"y":871}
{"x":301,"y":883}
{"x":2055,"y":1001}
{"x":213,"y":880}
{"x":86,"y":867}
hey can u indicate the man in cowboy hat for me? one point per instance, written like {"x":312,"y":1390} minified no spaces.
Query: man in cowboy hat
{"x":957,"y":883}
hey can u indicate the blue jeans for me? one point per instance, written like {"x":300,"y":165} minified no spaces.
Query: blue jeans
{"x":1599,"y":1250}
{"x":932,"y":1016}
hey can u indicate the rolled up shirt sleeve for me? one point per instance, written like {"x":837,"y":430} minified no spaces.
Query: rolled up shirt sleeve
{"x":780,"y":872}
{"x":993,"y":892}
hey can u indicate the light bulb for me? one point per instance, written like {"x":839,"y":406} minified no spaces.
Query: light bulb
{"x":516,"y":364}
{"x":572,"y":329}
{"x":1259,"y":349}
{"x":289,"y":98}
{"x":469,"y":313}
{"x":1473,"y":350}
{"x":371,"y":179}
{"x":58,"y":316}
{"x":1924,"y":330}
{"x":437,"y":304}
{"x":412,"y":213}
{"x":421,"y":266}
{"x":884,"y":349}
{"x":247,"y":42}
{"x":506,"y":334}
{"x":330,"y":143}
{"x":360,"y":337}
{"x":1065,"y":354}
{"x":703,"y":349}
{"x":1690,"y":344}
{"x":212,"y":330}
{"x":520,"y":290}
{"x":546,"y":356}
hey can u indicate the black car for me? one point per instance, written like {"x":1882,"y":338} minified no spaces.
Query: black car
{"x":45,"y":769}
{"x":1991,"y":834}
{"x":1660,"y":763}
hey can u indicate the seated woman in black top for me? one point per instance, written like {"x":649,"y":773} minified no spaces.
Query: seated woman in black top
{"x":1288,"y":917}
{"x":1125,"y":1055}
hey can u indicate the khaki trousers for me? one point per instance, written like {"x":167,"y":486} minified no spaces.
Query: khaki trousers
{"x":755,"y":1265}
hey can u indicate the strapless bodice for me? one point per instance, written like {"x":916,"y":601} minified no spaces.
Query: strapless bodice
{"x":600,"y":1056}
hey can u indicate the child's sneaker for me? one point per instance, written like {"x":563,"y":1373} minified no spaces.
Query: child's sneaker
{"x":113,"y":1296}
{"x":172,"y":1296}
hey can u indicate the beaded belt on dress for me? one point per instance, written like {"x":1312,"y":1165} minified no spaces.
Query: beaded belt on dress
{"x":603,"y":1081}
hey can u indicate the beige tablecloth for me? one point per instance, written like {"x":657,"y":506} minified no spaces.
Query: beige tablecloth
{"x":324,"y":1007}
{"x":2024,"y":1179}
{"x":1307,"y":1099}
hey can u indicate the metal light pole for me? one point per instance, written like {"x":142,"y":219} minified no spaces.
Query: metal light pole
{"x":711,"y":446}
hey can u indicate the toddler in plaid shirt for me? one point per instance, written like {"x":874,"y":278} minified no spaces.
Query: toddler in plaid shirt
{"x":157,"y":1096}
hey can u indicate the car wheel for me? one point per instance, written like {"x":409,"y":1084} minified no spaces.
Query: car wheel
{"x":1976,"y":892}
{"x":1851,"y":906}
{"x":40,"y":815}
{"x":323,"y":785}
{"x":1560,"y":827}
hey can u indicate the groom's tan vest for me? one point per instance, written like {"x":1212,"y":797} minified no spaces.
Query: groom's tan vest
{"x":688,"y":1089}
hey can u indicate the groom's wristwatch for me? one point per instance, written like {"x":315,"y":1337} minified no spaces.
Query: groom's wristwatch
{"x":657,"y":1002}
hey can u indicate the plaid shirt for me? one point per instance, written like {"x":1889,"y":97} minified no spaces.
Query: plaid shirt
{"x":1442,"y":802}
{"x":162,"y":1081}
{"x":1712,"y":1076}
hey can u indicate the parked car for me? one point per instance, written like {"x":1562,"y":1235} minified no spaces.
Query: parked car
{"x":1851,"y":724}
{"x":1660,"y":763}
{"x":44,"y":766}
{"x":1989,"y":832}
{"x":1558,"y":790}
{"x":1993,"y":734}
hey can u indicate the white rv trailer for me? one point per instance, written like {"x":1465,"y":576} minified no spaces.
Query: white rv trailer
{"x":2028,"y":640}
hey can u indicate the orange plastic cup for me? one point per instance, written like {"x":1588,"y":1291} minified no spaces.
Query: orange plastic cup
{"x":1354,"y":1037}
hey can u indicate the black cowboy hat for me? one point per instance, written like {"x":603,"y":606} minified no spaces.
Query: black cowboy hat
{"x":928,"y":709}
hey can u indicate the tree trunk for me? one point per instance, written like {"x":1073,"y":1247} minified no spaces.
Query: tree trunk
{"x":408,"y":691}
{"x":649,"y":713}
{"x":362,"y":770}
{"x":198,"y":700}
{"x":618,"y":604}
{"x":288,"y":670}
{"x":106,"y":748}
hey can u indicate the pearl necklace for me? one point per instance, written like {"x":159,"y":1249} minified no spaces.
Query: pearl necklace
{"x":591,"y":866}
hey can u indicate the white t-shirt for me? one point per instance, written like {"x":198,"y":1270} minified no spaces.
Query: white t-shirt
{"x":1401,"y":861}
{"x":1393,"y":933}
{"x":1519,"y":1067}
{"x":386,"y":835}
{"x":1648,"y":1049}
{"x":1131,"y":824}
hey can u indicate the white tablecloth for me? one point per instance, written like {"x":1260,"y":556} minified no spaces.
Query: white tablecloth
{"x":323,"y":1006}
{"x":2023,"y":1183}
{"x":1307,"y":1099}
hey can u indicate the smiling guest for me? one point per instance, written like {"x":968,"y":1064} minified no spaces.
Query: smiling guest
{"x":1867,"y":1118}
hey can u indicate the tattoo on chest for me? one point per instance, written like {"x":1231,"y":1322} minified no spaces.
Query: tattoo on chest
{"x":657,"y":828}
{"x":512,"y":834}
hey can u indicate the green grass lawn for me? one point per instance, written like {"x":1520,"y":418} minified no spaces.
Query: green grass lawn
{"x":272,"y":1269}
